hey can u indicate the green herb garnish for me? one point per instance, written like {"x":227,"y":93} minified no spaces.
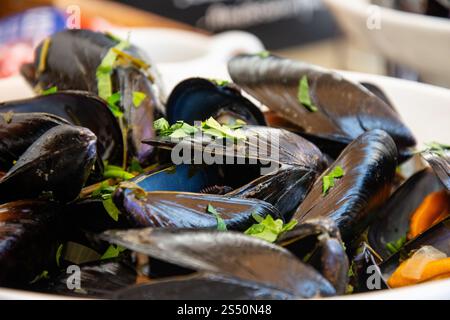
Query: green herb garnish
{"x":50,"y":90}
{"x":116,"y":172}
{"x":113,"y":104}
{"x":220,"y":83}
{"x":113,"y":251}
{"x":221,"y":226}
{"x":395,"y":246}
{"x":269,"y":229}
{"x":264,"y":54}
{"x":303,"y":94}
{"x":41,"y":276}
{"x":437,"y":148}
{"x":328,"y":180}
{"x":161,"y":125}
{"x":138,"y":97}
{"x":214,"y":128}
{"x":135,"y":166}
{"x":111,"y":208}
{"x":105,"y":69}
{"x":58,"y":254}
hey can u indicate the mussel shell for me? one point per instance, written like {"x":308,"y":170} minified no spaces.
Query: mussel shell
{"x":80,"y":109}
{"x":72,"y":60}
{"x":438,"y":236}
{"x":440,"y":165}
{"x":345,"y":109}
{"x":197,"y":99}
{"x":27,"y":240}
{"x":393,"y":218}
{"x":201,"y":286}
{"x":263,"y":144}
{"x":98,"y":279}
{"x":19,"y":131}
{"x":319,"y":243}
{"x":285,"y":189}
{"x":369,"y":165}
{"x":189,"y":210}
{"x":59,"y":163}
{"x":227,"y":253}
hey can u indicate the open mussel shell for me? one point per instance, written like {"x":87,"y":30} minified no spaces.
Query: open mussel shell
{"x":201,"y":286}
{"x":226,"y":253}
{"x":189,"y":210}
{"x":438,"y":236}
{"x":441,"y":165}
{"x":197,"y":99}
{"x":18,"y":131}
{"x":99,"y":279}
{"x":318,"y":242}
{"x":56,"y":165}
{"x":71,"y":63}
{"x":393,"y":218}
{"x":345,"y":110}
{"x":369,"y":165}
{"x":27,"y":240}
{"x":289,"y":163}
{"x":80,"y":109}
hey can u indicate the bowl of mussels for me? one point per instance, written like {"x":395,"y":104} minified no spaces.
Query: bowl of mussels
{"x":286,"y":181}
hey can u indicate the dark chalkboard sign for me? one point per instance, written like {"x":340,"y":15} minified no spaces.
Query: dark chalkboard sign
{"x":278,"y":23}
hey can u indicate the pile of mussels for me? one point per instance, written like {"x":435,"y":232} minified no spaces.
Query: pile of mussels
{"x":93,"y":205}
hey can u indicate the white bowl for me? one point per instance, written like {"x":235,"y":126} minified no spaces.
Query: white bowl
{"x":417,"y":41}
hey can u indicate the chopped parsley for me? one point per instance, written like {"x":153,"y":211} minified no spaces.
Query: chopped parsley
{"x":328,"y":180}
{"x":111,"y":208}
{"x":113,"y":104}
{"x":220,"y":83}
{"x":221,"y":226}
{"x":269,"y":229}
{"x":138,"y":97}
{"x":50,"y":90}
{"x":264,"y":54}
{"x":41,"y":276}
{"x":395,"y":246}
{"x":303,"y":95}
{"x":116,"y":172}
{"x":113,"y":251}
{"x":436,"y":148}
{"x":105,"y":69}
{"x":58,"y":254}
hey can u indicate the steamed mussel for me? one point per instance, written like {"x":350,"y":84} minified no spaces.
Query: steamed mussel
{"x":212,"y":202}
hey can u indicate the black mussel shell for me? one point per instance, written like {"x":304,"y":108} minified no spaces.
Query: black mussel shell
{"x":440,"y":163}
{"x":438,"y":236}
{"x":376,"y":90}
{"x":27,"y":240}
{"x":201,"y":286}
{"x":365,"y":270}
{"x":318,"y":242}
{"x":99,"y":279}
{"x":369,"y":165}
{"x":72,"y":59}
{"x":80,"y":109}
{"x":56,"y":165}
{"x":393,"y":218}
{"x":345,"y":109}
{"x":189,"y":210}
{"x":227,"y":253}
{"x":197,"y":99}
{"x":18,"y":131}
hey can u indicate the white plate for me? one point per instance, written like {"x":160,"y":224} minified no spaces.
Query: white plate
{"x":418,"y":41}
{"x":424,"y":108}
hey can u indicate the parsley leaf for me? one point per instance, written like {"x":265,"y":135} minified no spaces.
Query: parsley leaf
{"x":269,"y":229}
{"x":58,"y":254}
{"x":221,"y":226}
{"x":50,"y":90}
{"x":395,"y":246}
{"x":43,"y":275}
{"x":437,"y":148}
{"x":303,"y":94}
{"x":264,"y":54}
{"x":111,"y":208}
{"x":220,"y":83}
{"x":138,"y":97}
{"x":328,"y":180}
{"x":113,"y":251}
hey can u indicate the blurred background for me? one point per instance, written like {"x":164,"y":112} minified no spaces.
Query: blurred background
{"x":403,"y":38}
